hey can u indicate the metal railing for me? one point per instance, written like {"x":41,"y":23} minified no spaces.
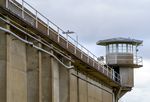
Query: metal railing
{"x":138,"y":60}
{"x":133,"y":59}
{"x":38,"y":19}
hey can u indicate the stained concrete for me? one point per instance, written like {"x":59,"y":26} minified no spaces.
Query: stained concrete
{"x":82,"y":89}
{"x":16,"y":72}
{"x":127,"y":76}
{"x":3,"y":64}
{"x":64,"y":84}
{"x":32,"y":74}
{"x":55,"y":81}
{"x":46,"y":77}
{"x":73,"y":87}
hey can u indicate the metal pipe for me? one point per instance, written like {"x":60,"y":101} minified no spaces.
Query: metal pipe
{"x":30,"y":43}
{"x":34,"y":38}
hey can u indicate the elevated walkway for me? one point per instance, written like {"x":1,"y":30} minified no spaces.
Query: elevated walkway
{"x":24,"y":16}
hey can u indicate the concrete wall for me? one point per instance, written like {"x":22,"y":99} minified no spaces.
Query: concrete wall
{"x":16,"y":72}
{"x":32,"y":74}
{"x":3,"y":64}
{"x":86,"y":89}
{"x":29,"y":75}
{"x":127,"y":75}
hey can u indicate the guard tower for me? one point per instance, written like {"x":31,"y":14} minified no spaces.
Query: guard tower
{"x":121,"y":55}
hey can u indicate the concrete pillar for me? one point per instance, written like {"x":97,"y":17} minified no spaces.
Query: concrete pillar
{"x":16,"y":71}
{"x":3,"y":63}
{"x":55,"y":80}
{"x":64,"y":84}
{"x":46,"y":77}
{"x":73,"y":89}
{"x":127,"y":75}
{"x":83,"y":96}
{"x":32,"y":74}
{"x":91,"y":91}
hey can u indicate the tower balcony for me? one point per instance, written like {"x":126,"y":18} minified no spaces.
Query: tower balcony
{"x":124,"y":60}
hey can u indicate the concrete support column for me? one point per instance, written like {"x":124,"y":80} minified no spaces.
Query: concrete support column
{"x":46,"y":77}
{"x":55,"y":80}
{"x":127,"y":75}
{"x":3,"y":63}
{"x":83,"y":96}
{"x":16,"y":70}
{"x":32,"y":74}
{"x":40,"y":72}
{"x":64,"y":84}
{"x":73,"y":89}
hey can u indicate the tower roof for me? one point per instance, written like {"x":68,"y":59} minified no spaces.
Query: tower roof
{"x":119,"y":40}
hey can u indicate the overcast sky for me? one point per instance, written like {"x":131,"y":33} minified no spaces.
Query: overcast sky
{"x":93,"y":20}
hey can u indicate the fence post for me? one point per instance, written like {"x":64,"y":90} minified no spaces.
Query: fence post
{"x":67,"y":40}
{"x":36,"y":22}
{"x":58,"y":34}
{"x":47,"y":27}
{"x":88,"y":57}
{"x":75,"y":49}
{"x":7,"y":3}
{"x":81,"y":52}
{"x":22,"y":9}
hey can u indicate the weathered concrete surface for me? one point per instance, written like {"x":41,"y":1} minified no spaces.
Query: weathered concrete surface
{"x":16,"y":72}
{"x":64,"y":84}
{"x":127,"y":76}
{"x":73,"y":87}
{"x":83,"y":89}
{"x":86,"y":89}
{"x":3,"y":64}
{"x":46,"y":77}
{"x":32,"y":74}
{"x":55,"y":81}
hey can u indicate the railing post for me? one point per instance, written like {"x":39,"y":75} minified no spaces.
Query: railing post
{"x":67,"y":40}
{"x":22,"y":8}
{"x":58,"y":34}
{"x":93,"y":60}
{"x":81,"y":52}
{"x":120,"y":79}
{"x":113,"y":74}
{"x":88,"y":57}
{"x":36,"y":22}
{"x":107,"y":71}
{"x":7,"y":3}
{"x":47,"y":27}
{"x":98,"y":66}
{"x":75,"y":49}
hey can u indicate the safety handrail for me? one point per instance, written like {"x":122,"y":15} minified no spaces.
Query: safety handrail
{"x":49,"y":24}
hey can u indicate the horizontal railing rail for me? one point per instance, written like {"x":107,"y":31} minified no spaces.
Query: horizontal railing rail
{"x":40,"y":21}
{"x":137,"y":60}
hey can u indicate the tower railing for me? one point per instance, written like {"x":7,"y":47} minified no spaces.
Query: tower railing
{"x":39,"y":21}
{"x":138,"y":60}
{"x":135,"y":60}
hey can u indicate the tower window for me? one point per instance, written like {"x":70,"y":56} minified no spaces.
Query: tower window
{"x":120,"y":48}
